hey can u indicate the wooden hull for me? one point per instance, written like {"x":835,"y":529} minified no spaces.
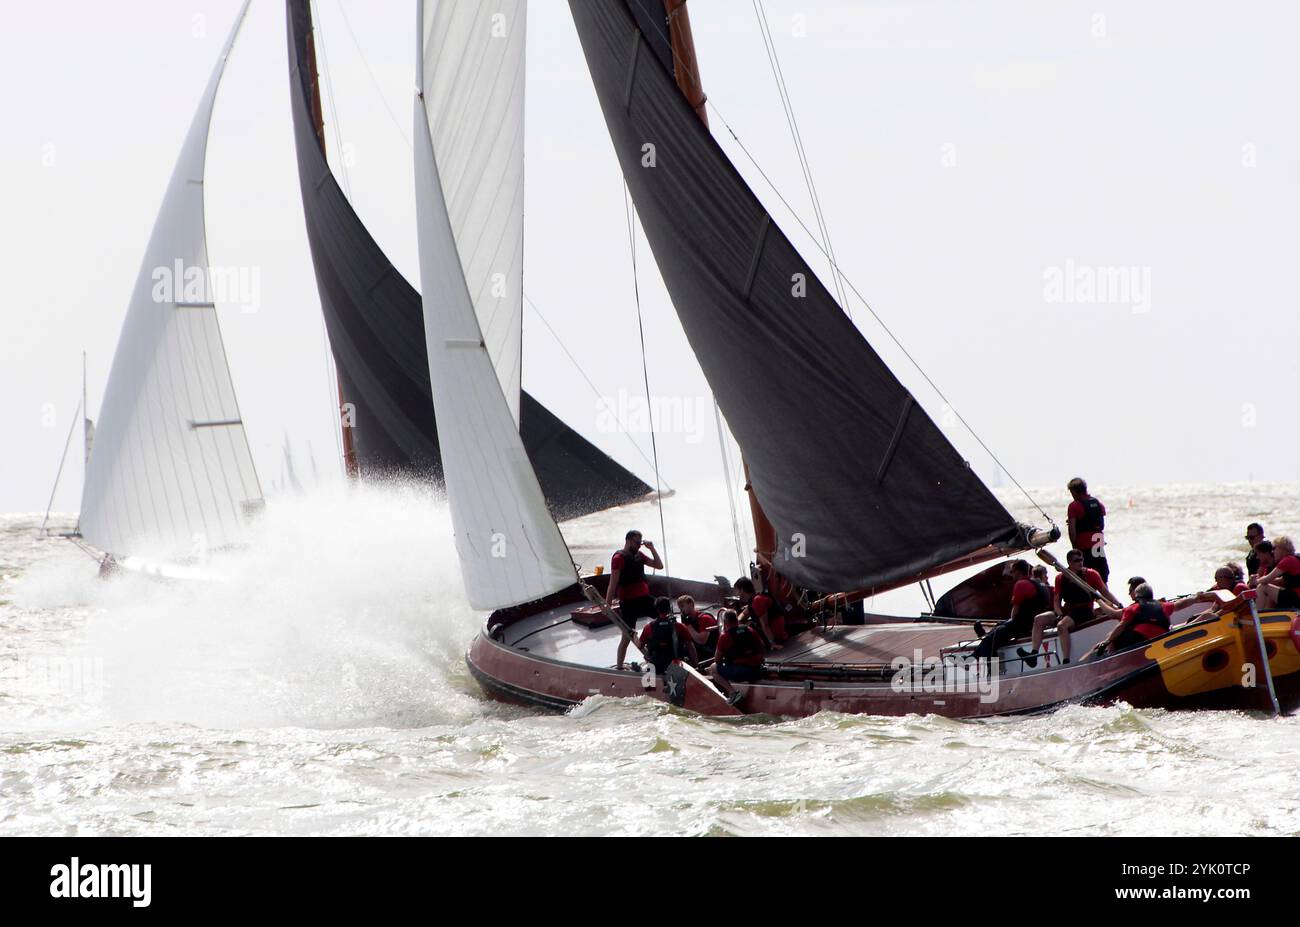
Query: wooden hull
{"x":1198,"y":666}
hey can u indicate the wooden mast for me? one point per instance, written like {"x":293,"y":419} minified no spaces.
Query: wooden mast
{"x":686,"y":69}
{"x":318,"y":119}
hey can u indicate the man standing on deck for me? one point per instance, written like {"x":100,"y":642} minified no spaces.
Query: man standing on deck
{"x":1254,"y":534}
{"x":1087,"y":520}
{"x":627,"y":582}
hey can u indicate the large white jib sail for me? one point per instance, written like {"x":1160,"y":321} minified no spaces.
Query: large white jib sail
{"x":510,"y":548}
{"x":171,"y":473}
{"x":473,"y":86}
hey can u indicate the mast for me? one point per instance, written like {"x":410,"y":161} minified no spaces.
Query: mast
{"x":686,"y":71}
{"x":318,"y":120}
{"x":85,"y":413}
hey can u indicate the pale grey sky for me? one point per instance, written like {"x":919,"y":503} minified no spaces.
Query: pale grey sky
{"x":967,"y":156}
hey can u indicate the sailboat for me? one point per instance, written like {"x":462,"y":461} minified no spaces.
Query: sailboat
{"x":170,"y":475}
{"x":373,"y":315}
{"x":862,"y":493}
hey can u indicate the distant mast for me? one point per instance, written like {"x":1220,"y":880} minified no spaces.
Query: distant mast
{"x":686,"y":70}
{"x":318,"y":118}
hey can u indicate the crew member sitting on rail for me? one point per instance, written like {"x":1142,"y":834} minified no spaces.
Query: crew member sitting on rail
{"x":1029,"y":599}
{"x":763,"y":609}
{"x":1280,"y":586}
{"x":627,"y":581}
{"x":1230,"y":578}
{"x":1072,"y":607}
{"x":1144,"y":620}
{"x":1087,"y":522}
{"x":701,"y":626}
{"x":1265,"y":558}
{"x":740,"y":650}
{"x":1227,"y":578}
{"x":665,"y":639}
{"x":1254,"y":534}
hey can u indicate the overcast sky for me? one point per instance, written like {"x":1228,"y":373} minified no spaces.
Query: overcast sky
{"x":978,"y":164}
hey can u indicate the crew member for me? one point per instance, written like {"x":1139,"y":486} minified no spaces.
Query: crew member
{"x":627,"y":582}
{"x":1254,"y":534}
{"x":1029,"y":599}
{"x":1144,"y":620}
{"x":701,"y":626}
{"x":1072,"y":607}
{"x":764,"y":609}
{"x":1280,"y":586}
{"x":1265,"y":558}
{"x":665,"y":639}
{"x":1087,"y":522}
{"x":740,"y":650}
{"x":1227,"y":578}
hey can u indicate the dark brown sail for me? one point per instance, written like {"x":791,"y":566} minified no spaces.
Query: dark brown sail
{"x":375,"y":323}
{"x":862,"y":486}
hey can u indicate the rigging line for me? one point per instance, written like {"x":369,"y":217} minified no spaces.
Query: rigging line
{"x":645,"y":374}
{"x":382,"y":98}
{"x":881,"y":322}
{"x":76,"y":420}
{"x":332,"y":387}
{"x":731,"y":489}
{"x":324,"y":71}
{"x":797,"y":137}
{"x":582,"y":373}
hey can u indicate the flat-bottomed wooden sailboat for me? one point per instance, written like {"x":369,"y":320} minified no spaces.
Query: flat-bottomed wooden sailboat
{"x":853,"y":487}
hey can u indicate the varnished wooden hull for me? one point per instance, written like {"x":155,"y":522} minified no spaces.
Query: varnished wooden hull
{"x":1195,"y":667}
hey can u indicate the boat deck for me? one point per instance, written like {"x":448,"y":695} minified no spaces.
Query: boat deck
{"x":553,"y":635}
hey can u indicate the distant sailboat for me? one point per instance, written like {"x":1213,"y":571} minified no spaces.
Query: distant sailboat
{"x":854,"y":487}
{"x":170,"y":475}
{"x":373,"y":316}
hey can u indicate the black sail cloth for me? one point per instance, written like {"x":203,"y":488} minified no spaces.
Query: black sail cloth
{"x":860,"y":484}
{"x":375,"y":322}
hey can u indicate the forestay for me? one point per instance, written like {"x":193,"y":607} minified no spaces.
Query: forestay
{"x":171,"y":473}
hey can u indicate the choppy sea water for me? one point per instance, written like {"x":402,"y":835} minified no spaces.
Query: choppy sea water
{"x":320,"y":688}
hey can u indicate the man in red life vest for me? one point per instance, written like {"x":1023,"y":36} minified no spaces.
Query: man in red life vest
{"x":1087,"y":522}
{"x":1144,"y":620}
{"x":666,"y":639}
{"x":627,"y":582}
{"x":1029,"y":599}
{"x":1072,"y":607}
{"x":702,"y":627}
{"x":1280,"y":586}
{"x":763,"y":609}
{"x":740,"y":651}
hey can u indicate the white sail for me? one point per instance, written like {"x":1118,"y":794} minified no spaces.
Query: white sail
{"x":473,"y":85}
{"x":510,"y":548}
{"x":171,"y":472}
